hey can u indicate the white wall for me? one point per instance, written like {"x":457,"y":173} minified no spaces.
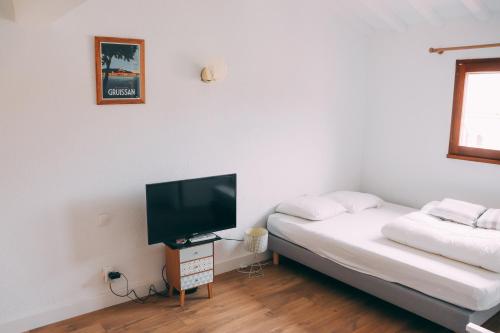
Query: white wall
{"x":410,"y":95}
{"x":281,"y":120}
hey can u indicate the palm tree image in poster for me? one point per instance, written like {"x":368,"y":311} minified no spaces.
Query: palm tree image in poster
{"x":120,"y":70}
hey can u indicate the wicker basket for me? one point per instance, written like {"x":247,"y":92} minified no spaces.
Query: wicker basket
{"x":256,"y":240}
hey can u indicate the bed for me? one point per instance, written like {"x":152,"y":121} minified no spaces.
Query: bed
{"x":351,"y":248}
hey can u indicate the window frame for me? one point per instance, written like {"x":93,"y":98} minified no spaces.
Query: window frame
{"x":455,"y":150}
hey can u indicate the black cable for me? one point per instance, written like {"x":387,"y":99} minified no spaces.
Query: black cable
{"x":129,"y":292}
{"x":151,"y":292}
{"x":230,"y":239}
{"x":163,"y":272}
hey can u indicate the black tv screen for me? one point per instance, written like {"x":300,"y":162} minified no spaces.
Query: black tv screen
{"x":182,"y":208}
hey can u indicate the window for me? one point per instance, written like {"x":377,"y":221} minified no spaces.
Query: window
{"x":475,"y":125}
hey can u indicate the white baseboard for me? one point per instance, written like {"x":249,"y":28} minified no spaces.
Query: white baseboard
{"x":230,"y":265}
{"x":79,"y":307}
{"x":82,"y":306}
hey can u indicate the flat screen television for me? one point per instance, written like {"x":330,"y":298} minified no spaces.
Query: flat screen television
{"x":179,"y":209}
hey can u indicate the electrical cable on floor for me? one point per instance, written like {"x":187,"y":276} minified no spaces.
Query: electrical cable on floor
{"x":152,"y":289}
{"x":163,"y":271}
{"x":151,"y":292}
{"x":247,"y":269}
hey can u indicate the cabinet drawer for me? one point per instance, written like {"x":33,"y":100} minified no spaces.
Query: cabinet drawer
{"x":196,"y":280}
{"x":196,"y":252}
{"x":196,"y":266}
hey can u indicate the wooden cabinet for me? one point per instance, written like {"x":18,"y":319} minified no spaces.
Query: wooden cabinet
{"x":190,"y":267}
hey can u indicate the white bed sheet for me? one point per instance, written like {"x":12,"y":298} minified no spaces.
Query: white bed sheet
{"x":355,"y":241}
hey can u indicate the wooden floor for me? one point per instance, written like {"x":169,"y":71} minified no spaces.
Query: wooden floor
{"x":289,"y":298}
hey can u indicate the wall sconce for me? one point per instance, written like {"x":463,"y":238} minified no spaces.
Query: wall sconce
{"x":216,"y":71}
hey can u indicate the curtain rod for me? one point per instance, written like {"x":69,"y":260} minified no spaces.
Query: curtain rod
{"x":441,"y":50}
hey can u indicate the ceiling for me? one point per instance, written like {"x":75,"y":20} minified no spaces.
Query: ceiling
{"x":36,"y":11}
{"x":399,"y":15}
{"x":367,"y":15}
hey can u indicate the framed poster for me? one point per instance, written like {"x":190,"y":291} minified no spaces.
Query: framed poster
{"x":119,"y":64}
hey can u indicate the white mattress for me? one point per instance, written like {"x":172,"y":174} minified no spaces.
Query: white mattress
{"x":355,"y":241}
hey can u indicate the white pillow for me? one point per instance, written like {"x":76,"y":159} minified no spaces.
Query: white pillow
{"x":313,"y":208}
{"x":458,"y":211}
{"x":489,"y":220}
{"x":428,"y":206}
{"x":355,"y":201}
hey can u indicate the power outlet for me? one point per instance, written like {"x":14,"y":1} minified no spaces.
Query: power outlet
{"x":103,"y":220}
{"x":105,"y":271}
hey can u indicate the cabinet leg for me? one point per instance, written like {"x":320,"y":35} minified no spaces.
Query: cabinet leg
{"x":210,"y":292}
{"x":170,"y":291}
{"x":276,"y":258}
{"x":182,"y":297}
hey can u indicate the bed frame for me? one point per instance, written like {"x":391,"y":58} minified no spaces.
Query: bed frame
{"x":455,"y":318}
